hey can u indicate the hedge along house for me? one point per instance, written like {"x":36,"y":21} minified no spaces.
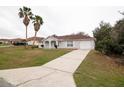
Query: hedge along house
{"x":76,"y":41}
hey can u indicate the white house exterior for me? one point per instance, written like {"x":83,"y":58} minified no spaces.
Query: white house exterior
{"x":38,"y":41}
{"x":77,"y":41}
{"x":31,"y":43}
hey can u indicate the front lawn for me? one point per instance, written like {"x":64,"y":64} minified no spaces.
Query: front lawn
{"x":99,"y":70}
{"x":17,"y":57}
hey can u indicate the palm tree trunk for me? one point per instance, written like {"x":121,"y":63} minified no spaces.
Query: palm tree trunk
{"x":34,"y":38}
{"x":26,"y":38}
{"x":26,"y":33}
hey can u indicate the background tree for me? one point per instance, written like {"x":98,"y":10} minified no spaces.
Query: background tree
{"x":103,"y":38}
{"x":107,"y":40}
{"x":37,"y":21}
{"x":118,"y":32}
{"x":26,"y":14}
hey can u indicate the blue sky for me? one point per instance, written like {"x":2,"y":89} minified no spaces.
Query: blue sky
{"x":59,"y":20}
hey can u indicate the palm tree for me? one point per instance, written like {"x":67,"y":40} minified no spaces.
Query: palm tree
{"x":26,"y":14}
{"x":37,"y":21}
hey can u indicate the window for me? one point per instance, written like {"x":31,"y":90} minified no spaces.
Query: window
{"x":69,"y":43}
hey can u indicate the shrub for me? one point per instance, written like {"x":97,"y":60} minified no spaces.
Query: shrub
{"x":104,"y":46}
{"x":105,"y":39}
{"x":117,"y":49}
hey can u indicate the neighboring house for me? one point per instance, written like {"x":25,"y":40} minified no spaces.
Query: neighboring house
{"x":77,"y":41}
{"x":5,"y":41}
{"x":38,"y":41}
{"x":17,"y":40}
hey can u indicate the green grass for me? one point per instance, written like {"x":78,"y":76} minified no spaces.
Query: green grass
{"x":17,"y":57}
{"x":98,"y":70}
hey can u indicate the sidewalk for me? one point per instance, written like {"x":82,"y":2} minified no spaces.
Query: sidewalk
{"x":56,"y":73}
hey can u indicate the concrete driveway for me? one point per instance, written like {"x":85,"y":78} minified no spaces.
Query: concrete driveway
{"x":56,"y":73}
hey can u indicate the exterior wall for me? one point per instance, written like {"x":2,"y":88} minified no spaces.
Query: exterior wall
{"x":78,"y":44}
{"x":62,"y":44}
{"x":31,"y":43}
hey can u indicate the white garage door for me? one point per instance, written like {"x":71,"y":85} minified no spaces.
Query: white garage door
{"x":86,"y":45}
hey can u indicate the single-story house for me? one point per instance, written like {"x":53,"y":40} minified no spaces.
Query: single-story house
{"x":17,"y":40}
{"x":5,"y":41}
{"x":77,"y":41}
{"x":38,"y":40}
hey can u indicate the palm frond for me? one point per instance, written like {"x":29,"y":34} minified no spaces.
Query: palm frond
{"x":30,"y":13}
{"x":29,"y":9}
{"x":20,"y":9}
{"x":21,"y":15}
{"x":39,"y":19}
{"x":24,"y":8}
